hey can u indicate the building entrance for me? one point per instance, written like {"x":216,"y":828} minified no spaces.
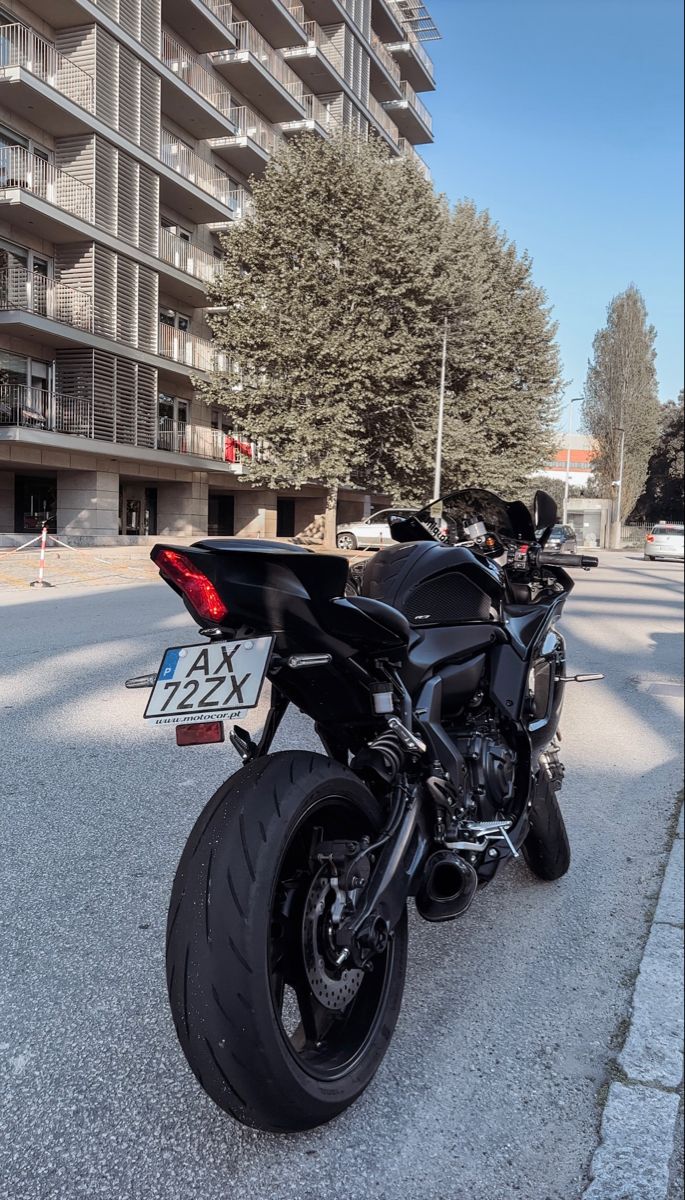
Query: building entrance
{"x":35,"y":501}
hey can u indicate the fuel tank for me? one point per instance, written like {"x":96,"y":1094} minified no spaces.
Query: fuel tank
{"x":433,"y":584}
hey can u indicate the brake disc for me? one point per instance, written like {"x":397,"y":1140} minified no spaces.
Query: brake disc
{"x":332,"y":987}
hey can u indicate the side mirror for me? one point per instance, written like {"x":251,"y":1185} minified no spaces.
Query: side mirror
{"x":544,"y":510}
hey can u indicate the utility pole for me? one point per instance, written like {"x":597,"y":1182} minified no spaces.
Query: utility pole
{"x":618,"y":483}
{"x":575,"y":400}
{"x":441,"y":416}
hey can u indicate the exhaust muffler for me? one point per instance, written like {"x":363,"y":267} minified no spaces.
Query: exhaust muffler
{"x":448,"y":887}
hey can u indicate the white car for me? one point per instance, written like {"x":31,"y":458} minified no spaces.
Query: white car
{"x":373,"y":532}
{"x":665,"y":541}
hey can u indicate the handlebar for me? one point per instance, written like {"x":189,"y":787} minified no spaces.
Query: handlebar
{"x":549,"y":559}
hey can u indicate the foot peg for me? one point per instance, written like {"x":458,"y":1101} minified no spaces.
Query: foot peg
{"x":448,"y":887}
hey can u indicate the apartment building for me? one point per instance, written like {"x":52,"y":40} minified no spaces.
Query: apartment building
{"x":129,"y":132}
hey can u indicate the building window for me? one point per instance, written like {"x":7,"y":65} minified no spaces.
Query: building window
{"x":173,"y":431}
{"x":174,"y":319}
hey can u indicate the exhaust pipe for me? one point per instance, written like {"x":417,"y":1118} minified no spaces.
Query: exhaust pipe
{"x":448,"y":887}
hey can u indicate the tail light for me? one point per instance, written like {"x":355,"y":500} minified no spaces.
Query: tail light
{"x":196,"y":587}
{"x":200,"y":734}
{"x":650,"y":537}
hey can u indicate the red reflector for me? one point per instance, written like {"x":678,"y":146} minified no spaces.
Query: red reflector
{"x":200,"y":734}
{"x":199,"y":590}
{"x":650,"y":537}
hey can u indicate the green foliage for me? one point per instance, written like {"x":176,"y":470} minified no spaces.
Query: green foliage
{"x":334,"y":295}
{"x":621,"y":393}
{"x":504,"y":363}
{"x":333,"y":292}
{"x":663,"y":498}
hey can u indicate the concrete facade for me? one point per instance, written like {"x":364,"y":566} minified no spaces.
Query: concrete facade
{"x":129,"y":138}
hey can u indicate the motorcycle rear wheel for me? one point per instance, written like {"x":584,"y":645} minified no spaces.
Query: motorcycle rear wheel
{"x":276,"y":1033}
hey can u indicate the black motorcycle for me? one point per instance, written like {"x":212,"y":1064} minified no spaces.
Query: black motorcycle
{"x":436,"y":694}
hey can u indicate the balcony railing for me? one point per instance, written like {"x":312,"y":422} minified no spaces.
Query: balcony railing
{"x":248,"y":124}
{"x":183,"y":255}
{"x":316,"y":110}
{"x":296,"y":10}
{"x":183,"y":347}
{"x":409,"y":151}
{"x":386,"y":57}
{"x":241,"y":203}
{"x":22,"y":47}
{"x":317,"y":37}
{"x":418,"y":106}
{"x":414,"y":41}
{"x":249,"y":41}
{"x":20,"y":169}
{"x":221,"y":9}
{"x":35,"y":408}
{"x":181,"y":438}
{"x":193,"y":168}
{"x":381,"y":117}
{"x":187,"y":67}
{"x":33,"y":293}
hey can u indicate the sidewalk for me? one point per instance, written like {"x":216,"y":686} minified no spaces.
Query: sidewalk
{"x":639,"y":1157}
{"x":88,"y":566}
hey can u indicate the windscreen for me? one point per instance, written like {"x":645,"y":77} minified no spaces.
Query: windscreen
{"x":455,"y":513}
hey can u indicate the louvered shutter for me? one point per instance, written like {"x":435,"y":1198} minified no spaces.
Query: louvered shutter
{"x":129,"y":95}
{"x":125,"y":412}
{"x":104,"y":291}
{"x":106,"y":174}
{"x":127,"y":301}
{"x":148,"y":309}
{"x":148,"y":210}
{"x":150,"y":120}
{"x":146,"y":405}
{"x":127,"y":199}
{"x":107,"y":78}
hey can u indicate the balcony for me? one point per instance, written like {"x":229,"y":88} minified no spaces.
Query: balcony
{"x":180,"y":438}
{"x":279,"y":21}
{"x":23,"y":291}
{"x":34,"y":408}
{"x":417,"y":67}
{"x":187,"y":349}
{"x":383,"y":123}
{"x":408,"y":151}
{"x":254,"y":141}
{"x":25,"y":172}
{"x":384,"y":75}
{"x":202,"y":106}
{"x":318,"y":118}
{"x":387,"y":20}
{"x":241,"y":204}
{"x":319,"y":64}
{"x":38,"y":78}
{"x":205,"y":24}
{"x":411,"y":115}
{"x":260,"y":74}
{"x":192,"y":260}
{"x":210,"y":193}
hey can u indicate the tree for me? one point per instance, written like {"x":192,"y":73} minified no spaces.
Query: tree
{"x":663,"y":497}
{"x":504,"y":370}
{"x":621,"y":393}
{"x":332,"y":296}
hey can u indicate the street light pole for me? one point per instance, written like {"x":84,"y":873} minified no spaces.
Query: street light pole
{"x":619,"y":494}
{"x":441,"y":416}
{"x":575,"y":400}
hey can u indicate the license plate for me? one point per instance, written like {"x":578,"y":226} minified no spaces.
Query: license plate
{"x":217,"y":680}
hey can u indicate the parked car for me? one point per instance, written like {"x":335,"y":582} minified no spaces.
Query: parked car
{"x":563,"y":540}
{"x":373,"y":532}
{"x":665,"y":541}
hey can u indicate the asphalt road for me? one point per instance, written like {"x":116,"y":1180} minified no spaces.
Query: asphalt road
{"x":511,"y":1017}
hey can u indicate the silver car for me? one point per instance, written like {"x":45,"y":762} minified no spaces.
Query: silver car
{"x":373,"y":532}
{"x":665,"y":541}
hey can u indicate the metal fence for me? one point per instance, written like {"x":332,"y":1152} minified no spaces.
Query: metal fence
{"x":36,"y":408}
{"x":634,"y":535}
{"x":28,"y":291}
{"x":20,"y":169}
{"x":22,"y":47}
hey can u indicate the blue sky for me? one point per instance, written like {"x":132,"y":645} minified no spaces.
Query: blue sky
{"x":564,"y":119}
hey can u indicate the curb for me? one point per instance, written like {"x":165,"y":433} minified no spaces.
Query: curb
{"x":638,"y":1132}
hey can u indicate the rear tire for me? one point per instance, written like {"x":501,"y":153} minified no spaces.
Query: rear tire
{"x":546,"y":847}
{"x":241,"y":911}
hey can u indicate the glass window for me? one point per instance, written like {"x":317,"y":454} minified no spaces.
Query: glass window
{"x":13,"y":369}
{"x":379,"y":518}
